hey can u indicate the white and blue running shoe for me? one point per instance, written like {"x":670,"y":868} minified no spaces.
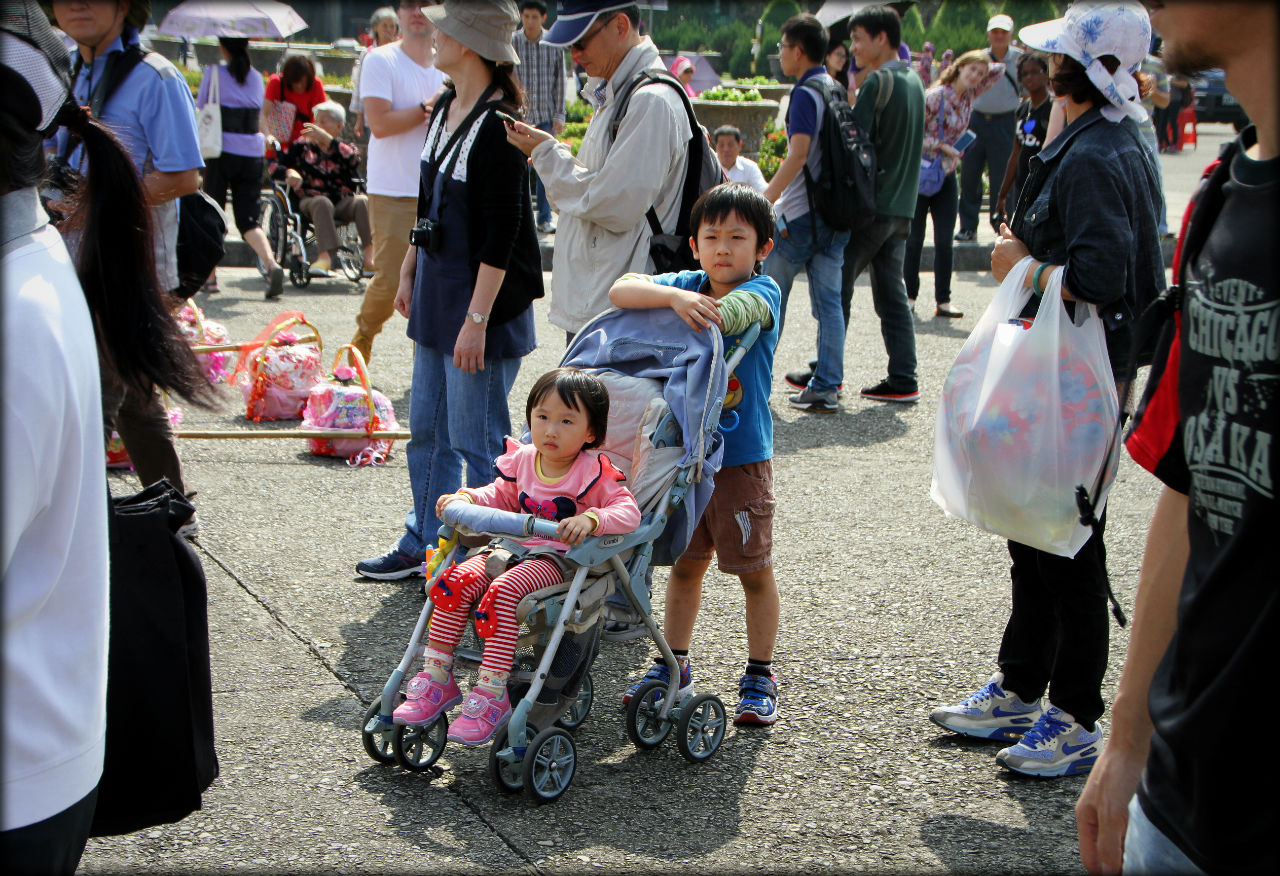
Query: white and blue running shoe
{"x":989,"y":713}
{"x":1056,"y":746}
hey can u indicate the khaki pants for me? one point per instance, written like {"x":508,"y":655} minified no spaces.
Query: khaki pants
{"x":322,"y":212}
{"x":392,"y":219}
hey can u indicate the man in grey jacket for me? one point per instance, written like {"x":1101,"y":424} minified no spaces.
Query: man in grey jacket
{"x":604,"y":192}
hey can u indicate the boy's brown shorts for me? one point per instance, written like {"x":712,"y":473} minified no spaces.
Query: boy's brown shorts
{"x":737,"y":526}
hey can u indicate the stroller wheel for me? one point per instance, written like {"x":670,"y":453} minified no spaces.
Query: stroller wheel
{"x":377,"y":743}
{"x":549,"y":764}
{"x":645,"y":727}
{"x":701,"y":727}
{"x":506,"y":777}
{"x":577,"y":713}
{"x":418,"y":748}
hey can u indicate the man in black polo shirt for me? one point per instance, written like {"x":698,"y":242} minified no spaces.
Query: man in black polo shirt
{"x":1189,"y":732}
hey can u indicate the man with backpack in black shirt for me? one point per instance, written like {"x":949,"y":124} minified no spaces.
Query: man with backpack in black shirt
{"x":1206,"y":618}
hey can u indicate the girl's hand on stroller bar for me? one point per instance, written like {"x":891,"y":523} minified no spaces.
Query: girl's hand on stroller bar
{"x":696,"y":309}
{"x":450,"y":497}
{"x":572,"y":530}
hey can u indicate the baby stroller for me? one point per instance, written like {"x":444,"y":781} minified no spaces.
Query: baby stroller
{"x":289,"y":236}
{"x":664,"y":420}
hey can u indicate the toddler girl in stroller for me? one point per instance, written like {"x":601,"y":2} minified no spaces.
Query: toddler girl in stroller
{"x":557,"y":476}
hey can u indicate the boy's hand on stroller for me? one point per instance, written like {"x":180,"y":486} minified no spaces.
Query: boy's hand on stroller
{"x":696,"y":309}
{"x":450,"y":497}
{"x":572,"y":530}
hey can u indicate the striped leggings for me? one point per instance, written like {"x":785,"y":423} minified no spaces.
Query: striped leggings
{"x":512,"y":586}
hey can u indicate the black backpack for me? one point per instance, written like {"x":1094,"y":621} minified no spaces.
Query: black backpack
{"x":202,"y":225}
{"x":671,"y":252}
{"x":844,"y":194}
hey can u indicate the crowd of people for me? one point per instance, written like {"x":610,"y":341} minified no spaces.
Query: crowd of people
{"x":457,"y":132}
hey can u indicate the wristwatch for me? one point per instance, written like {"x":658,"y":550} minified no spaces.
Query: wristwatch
{"x":425,"y":109}
{"x":477,"y":317}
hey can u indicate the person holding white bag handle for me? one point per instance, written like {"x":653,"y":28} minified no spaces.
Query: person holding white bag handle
{"x":1088,"y":212}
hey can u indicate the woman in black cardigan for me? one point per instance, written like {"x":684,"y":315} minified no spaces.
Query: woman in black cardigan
{"x":467,"y":283}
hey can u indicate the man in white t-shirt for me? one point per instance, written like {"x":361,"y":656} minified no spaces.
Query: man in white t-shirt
{"x":727,"y":141}
{"x":398,"y":86}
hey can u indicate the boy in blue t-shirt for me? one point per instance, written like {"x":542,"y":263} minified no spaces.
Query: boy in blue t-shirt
{"x":732,"y":233}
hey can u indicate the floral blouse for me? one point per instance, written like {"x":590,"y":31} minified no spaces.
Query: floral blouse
{"x":327,"y":172}
{"x":956,"y":117}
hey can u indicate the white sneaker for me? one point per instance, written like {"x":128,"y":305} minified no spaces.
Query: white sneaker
{"x":989,"y":713}
{"x":1055,"y":746}
{"x":191,"y":528}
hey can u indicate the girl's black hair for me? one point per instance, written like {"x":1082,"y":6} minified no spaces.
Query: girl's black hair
{"x":718,"y":202}
{"x":1033,"y":58}
{"x":579,"y":390}
{"x":238,"y":49}
{"x":298,"y":68}
{"x":1072,"y":81}
{"x":139,"y":342}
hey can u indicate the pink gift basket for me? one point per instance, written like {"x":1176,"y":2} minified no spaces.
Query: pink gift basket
{"x":348,"y":402}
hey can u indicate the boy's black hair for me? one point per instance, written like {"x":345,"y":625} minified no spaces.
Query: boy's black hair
{"x":726,"y":131}
{"x":579,"y":390}
{"x":808,"y":33}
{"x":719,"y":201}
{"x":533,"y":4}
{"x":877,"y":20}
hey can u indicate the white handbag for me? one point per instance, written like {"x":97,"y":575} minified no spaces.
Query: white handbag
{"x":209,"y":119}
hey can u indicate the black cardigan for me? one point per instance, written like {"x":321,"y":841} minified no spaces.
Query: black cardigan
{"x":501,"y":230}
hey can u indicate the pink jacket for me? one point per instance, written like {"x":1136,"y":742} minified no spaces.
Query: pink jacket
{"x":593,"y":485}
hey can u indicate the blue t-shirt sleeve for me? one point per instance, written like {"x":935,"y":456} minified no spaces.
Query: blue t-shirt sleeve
{"x":690,"y":281}
{"x":167,"y":116}
{"x":802,"y":117}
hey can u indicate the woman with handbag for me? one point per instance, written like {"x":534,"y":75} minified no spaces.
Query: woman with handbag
{"x":1088,"y":212}
{"x":237,"y":89}
{"x":947,"y":107}
{"x":468,"y":280}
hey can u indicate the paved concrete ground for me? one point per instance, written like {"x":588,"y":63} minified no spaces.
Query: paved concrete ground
{"x":889,"y":610}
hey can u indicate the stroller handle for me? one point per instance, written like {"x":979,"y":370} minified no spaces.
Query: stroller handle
{"x":477,"y":518}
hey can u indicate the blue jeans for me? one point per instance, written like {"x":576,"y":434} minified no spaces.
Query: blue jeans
{"x":882,"y":247}
{"x":454,"y":418}
{"x":1148,"y":850}
{"x":544,"y":206}
{"x":809,"y":244}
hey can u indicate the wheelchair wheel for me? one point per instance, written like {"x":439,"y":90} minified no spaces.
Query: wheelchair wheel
{"x":506,"y":777}
{"x":644,"y":726}
{"x":377,"y":744}
{"x":549,"y":765}
{"x":701,"y":727}
{"x":577,"y":713}
{"x":299,"y":271}
{"x":275,"y":226}
{"x":350,"y":253}
{"x":418,"y":748}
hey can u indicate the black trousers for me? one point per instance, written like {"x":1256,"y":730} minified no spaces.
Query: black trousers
{"x":50,"y":846}
{"x":1056,"y":637}
{"x":943,"y":206}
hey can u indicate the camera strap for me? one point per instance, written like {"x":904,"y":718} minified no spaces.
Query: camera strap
{"x":426,"y":195}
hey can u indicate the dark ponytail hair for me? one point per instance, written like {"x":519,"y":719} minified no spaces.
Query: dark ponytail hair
{"x":139,"y":341}
{"x":1071,"y":80}
{"x":238,"y":49}
{"x":504,"y":76}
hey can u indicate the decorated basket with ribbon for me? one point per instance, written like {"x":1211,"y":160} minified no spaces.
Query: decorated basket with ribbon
{"x":200,"y":331}
{"x":276,"y":376}
{"x":348,"y":402}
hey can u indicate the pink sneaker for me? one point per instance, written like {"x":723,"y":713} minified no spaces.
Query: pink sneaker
{"x":482,"y":715}
{"x":427,"y":699}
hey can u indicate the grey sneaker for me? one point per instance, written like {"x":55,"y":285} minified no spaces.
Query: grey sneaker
{"x":1055,"y":746}
{"x":814,"y":402}
{"x":989,"y":713}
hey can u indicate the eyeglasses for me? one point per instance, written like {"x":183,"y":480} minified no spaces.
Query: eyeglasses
{"x":581,"y":45}
{"x":784,"y":46}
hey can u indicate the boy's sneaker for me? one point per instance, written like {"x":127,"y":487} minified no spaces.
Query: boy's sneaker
{"x":427,"y":699}
{"x":391,"y":566}
{"x":884,"y":391}
{"x":1055,"y":746}
{"x":814,"y":402}
{"x":989,"y":713}
{"x":482,"y":715}
{"x":757,"y":699}
{"x":659,"y":672}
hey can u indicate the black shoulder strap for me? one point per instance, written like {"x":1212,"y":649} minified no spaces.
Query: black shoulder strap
{"x":115,"y":69}
{"x":1007,"y":74}
{"x":426,"y":190}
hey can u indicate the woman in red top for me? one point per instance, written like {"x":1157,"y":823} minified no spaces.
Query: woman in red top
{"x":296,"y":83}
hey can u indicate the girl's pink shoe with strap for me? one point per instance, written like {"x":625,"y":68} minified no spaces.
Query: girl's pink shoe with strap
{"x":427,"y":700}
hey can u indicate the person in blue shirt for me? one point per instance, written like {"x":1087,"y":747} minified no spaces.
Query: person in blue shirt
{"x":732,"y":233}
{"x":152,"y":113}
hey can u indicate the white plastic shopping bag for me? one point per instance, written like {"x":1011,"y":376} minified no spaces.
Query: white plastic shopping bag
{"x":1026,"y":415}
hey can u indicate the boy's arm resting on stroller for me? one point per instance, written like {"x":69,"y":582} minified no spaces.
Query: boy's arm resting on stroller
{"x":639,"y":292}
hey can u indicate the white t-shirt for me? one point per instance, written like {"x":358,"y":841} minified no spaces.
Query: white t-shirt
{"x":387,"y":72}
{"x":745,"y":170}
{"x":53,"y":545}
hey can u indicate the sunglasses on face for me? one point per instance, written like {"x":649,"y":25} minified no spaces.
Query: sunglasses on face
{"x":581,"y":45}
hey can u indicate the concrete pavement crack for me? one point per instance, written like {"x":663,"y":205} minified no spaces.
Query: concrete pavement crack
{"x":320,"y":658}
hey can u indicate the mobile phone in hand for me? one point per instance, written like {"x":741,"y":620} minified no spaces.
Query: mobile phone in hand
{"x":506,"y":117}
{"x":964,"y":141}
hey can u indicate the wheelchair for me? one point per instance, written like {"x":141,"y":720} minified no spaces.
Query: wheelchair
{"x":291,"y":239}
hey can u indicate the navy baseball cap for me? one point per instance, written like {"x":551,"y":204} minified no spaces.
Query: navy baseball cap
{"x":576,"y":17}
